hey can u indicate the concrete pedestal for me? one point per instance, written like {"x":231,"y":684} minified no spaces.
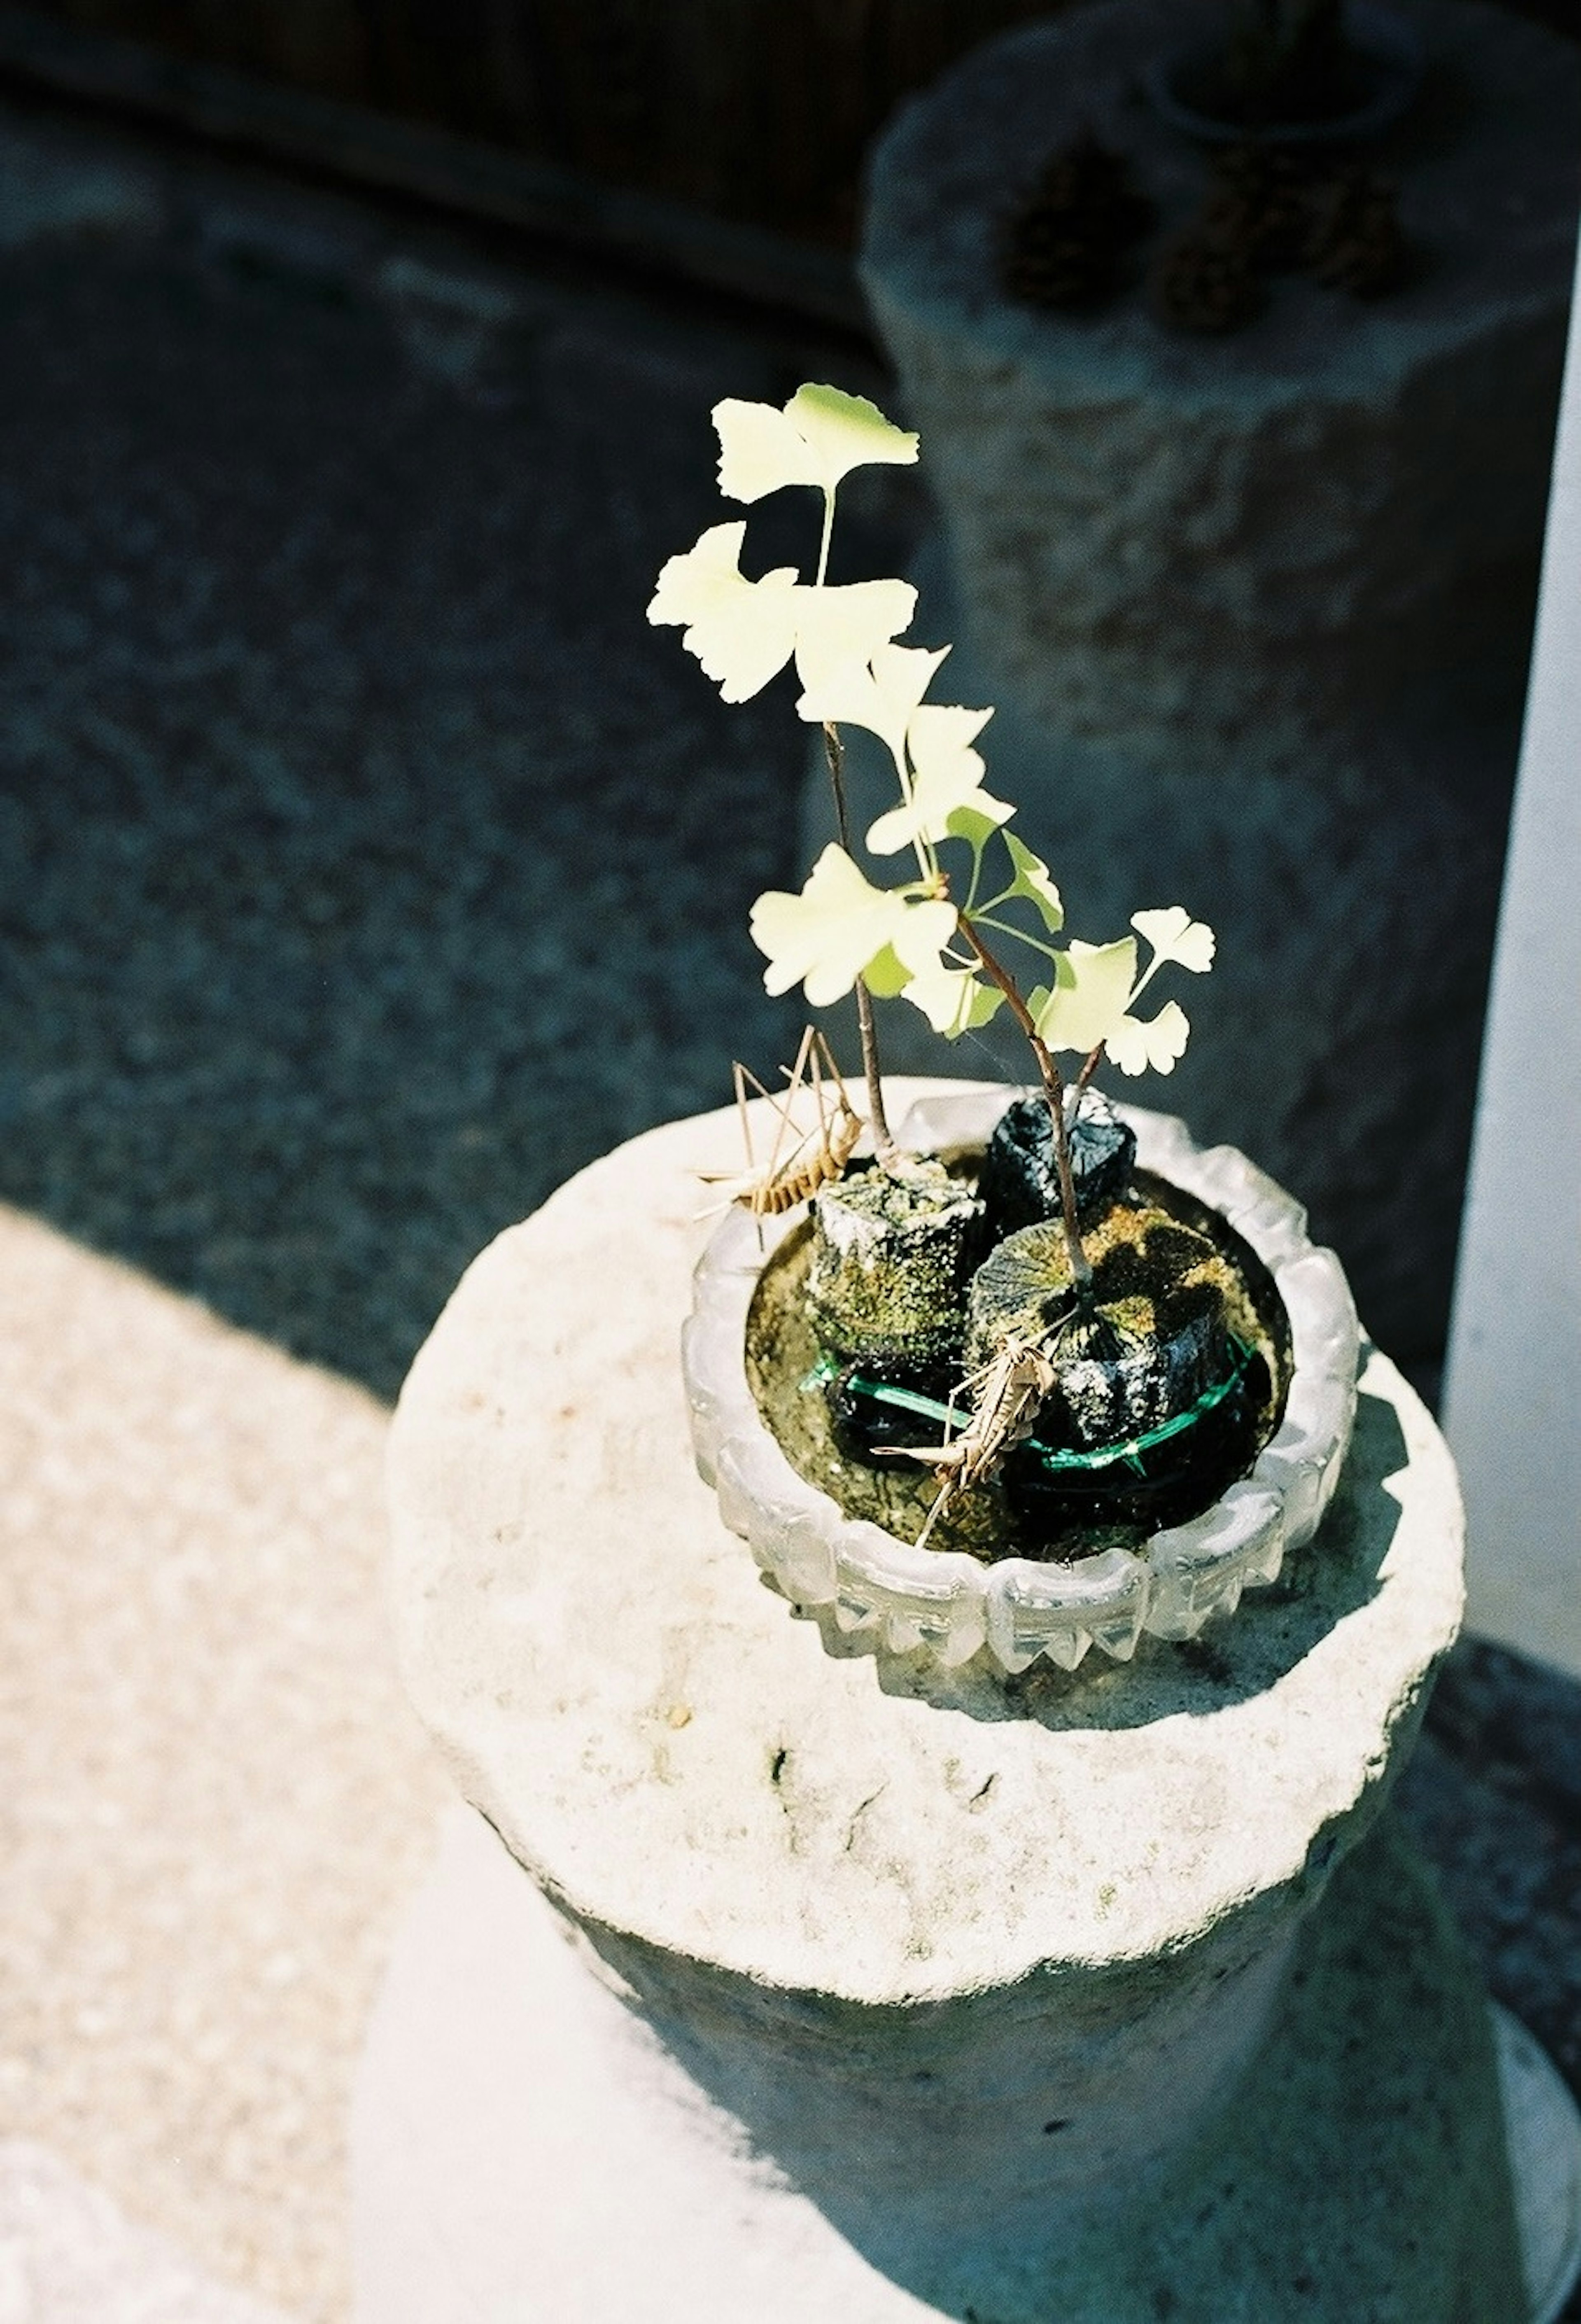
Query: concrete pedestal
{"x":526,"y":2151}
{"x":910,"y":1993}
{"x":1256,"y":612}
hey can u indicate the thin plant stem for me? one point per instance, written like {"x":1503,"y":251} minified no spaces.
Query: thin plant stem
{"x":1089,"y":1065}
{"x":886,"y":1151}
{"x":1053,"y":1090}
{"x":828,"y":535}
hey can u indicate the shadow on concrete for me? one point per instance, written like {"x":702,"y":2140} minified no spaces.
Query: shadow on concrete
{"x":367,"y":864}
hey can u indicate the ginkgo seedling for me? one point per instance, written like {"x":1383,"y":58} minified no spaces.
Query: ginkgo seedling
{"x":934,"y":935}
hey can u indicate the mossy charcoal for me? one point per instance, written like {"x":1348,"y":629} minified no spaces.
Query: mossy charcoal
{"x":1115,"y":1382}
{"x":1155,"y":1348}
{"x":891,"y":1259}
{"x":1166,"y":1483}
{"x":1020,"y":1180}
{"x":1152,"y":1275}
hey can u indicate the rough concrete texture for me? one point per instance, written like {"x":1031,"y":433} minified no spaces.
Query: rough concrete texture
{"x":1254,"y":613}
{"x":524,"y":2148}
{"x":544,"y":1417}
{"x":314,"y":825}
{"x":214,"y":1798}
{"x":69,"y":2256}
{"x":919,"y":1912}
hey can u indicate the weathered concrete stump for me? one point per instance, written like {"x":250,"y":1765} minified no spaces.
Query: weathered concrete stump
{"x":860,"y":1989}
{"x":1255,"y":610}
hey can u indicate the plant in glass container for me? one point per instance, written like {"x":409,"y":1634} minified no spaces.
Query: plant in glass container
{"x":1013,"y":1380}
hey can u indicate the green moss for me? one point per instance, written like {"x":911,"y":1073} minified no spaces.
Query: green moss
{"x":890,"y":1262}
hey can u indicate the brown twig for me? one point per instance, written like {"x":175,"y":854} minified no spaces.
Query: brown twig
{"x":1053,"y":1090}
{"x":1089,"y":1065}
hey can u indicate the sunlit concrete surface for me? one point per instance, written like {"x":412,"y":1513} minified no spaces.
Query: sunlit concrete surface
{"x":1516,"y":1346}
{"x":214,"y":1799}
{"x":69,"y":2255}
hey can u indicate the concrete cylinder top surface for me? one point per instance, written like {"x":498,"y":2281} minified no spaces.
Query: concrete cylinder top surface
{"x":967,"y":1956}
{"x":615,"y":1687}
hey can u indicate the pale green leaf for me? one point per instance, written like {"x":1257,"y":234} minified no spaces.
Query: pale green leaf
{"x":743,"y":632}
{"x":1092,"y":987}
{"x":940,"y":732}
{"x":920,"y":930}
{"x":940,"y":792}
{"x":846,"y":432}
{"x":887,"y":976}
{"x":1158,"y":1043}
{"x":818,"y":438}
{"x":823,"y":937}
{"x":1033,"y":881}
{"x":954,"y":1001}
{"x":920,"y":937}
{"x":760,"y":448}
{"x":913,"y":949}
{"x":1175,"y":936}
{"x":839,"y":633}
{"x":879,"y":690}
{"x":966,"y":822}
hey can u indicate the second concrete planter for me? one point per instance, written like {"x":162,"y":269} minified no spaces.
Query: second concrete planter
{"x":1255,"y":612}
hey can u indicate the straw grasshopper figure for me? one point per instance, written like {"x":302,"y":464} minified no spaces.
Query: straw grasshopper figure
{"x":817,"y":1157}
{"x":1005,"y":1394}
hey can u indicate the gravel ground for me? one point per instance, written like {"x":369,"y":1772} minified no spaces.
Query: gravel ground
{"x":366,"y":866}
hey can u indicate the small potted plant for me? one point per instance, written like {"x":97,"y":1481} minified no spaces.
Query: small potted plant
{"x":1027,"y":1372}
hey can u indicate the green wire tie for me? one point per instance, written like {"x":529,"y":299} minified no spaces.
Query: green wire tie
{"x":948,"y":1418}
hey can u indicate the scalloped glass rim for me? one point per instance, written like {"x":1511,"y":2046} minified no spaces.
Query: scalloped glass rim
{"x":947,"y":1604}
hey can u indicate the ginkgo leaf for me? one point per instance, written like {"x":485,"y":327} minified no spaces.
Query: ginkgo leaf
{"x":920,"y":937}
{"x":975,"y":829}
{"x":940,"y":730}
{"x":1033,"y":881}
{"x":1175,"y":936}
{"x":1134,"y":1045}
{"x":880,"y":691}
{"x":847,"y":432}
{"x":954,"y":1001}
{"x":820,"y":435}
{"x":939,"y":793}
{"x":825,"y":936}
{"x":887,"y":976}
{"x":1092,"y":989}
{"x":838,"y":629}
{"x":742,"y":632}
{"x":760,"y":448}
{"x":927,"y":927}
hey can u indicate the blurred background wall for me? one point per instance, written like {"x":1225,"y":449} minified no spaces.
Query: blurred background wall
{"x":758,"y":112}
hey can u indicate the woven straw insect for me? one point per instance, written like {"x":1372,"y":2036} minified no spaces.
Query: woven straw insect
{"x":815,"y":1157}
{"x":1005,"y":1394}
